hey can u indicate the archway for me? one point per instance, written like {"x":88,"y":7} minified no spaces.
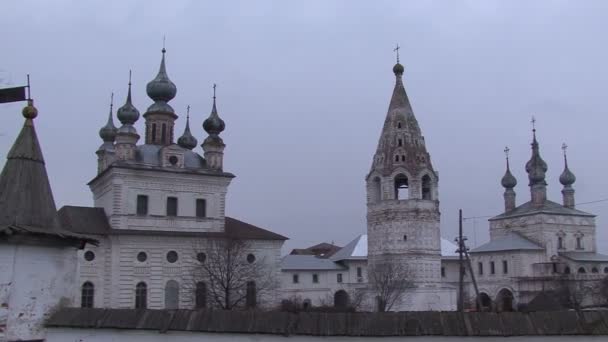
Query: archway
{"x":401,"y":187}
{"x":341,"y":299}
{"x":504,"y":300}
{"x":427,"y":193}
{"x":486,"y":302}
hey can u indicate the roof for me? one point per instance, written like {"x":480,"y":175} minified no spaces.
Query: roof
{"x":354,"y":250}
{"x":309,"y":262}
{"x":585,"y":256}
{"x":549,"y":207}
{"x":448,"y":249}
{"x":26,"y":199}
{"x":510,"y":242}
{"x":93,"y":221}
{"x":323,"y":249}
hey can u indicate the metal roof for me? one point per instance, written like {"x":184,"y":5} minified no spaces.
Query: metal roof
{"x":354,"y":250}
{"x":585,"y":256}
{"x":509,"y":242}
{"x":309,"y":262}
{"x":549,"y":207}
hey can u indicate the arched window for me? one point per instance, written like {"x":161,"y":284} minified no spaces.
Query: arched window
{"x":426,"y":188}
{"x":163,"y":134}
{"x":567,"y":270}
{"x":87,"y":295}
{"x":172,"y":295}
{"x":153,"y":133}
{"x":201,"y":295}
{"x":375,"y":190}
{"x":581,"y":270}
{"x":560,"y":242}
{"x":595,"y":270}
{"x":251,"y":295}
{"x":141,"y":295}
{"x":401,"y":187}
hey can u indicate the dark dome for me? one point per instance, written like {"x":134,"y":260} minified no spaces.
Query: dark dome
{"x":214,"y":124}
{"x":508,"y":180}
{"x":567,"y":177}
{"x":187,"y":140}
{"x":398,"y":69}
{"x":161,"y":88}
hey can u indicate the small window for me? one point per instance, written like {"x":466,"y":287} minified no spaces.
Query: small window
{"x":403,"y":157}
{"x":505,"y":267}
{"x":173,"y":160}
{"x":560,"y":242}
{"x":171,"y":206}
{"x":295,"y":278}
{"x":153,"y":133}
{"x":492,"y":268}
{"x":397,"y":158}
{"x":251,"y":295}
{"x":89,"y":256}
{"x":172,"y":256}
{"x":315,"y":278}
{"x":426,"y":188}
{"x":250,"y":258}
{"x":579,"y":243}
{"x":567,"y":270}
{"x":163,"y":134}
{"x":142,"y":205}
{"x":141,"y":296}
{"x":404,"y":237}
{"x":201,"y":208}
{"x":554,"y":267}
{"x":581,"y":270}
{"x":339,"y":277}
{"x":399,"y":124}
{"x":443,"y":272}
{"x":400,"y":142}
{"x":480,"y":268}
{"x":200,"y":295}
{"x":595,"y":270}
{"x":359,"y":272}
{"x":142,"y":256}
{"x":87,"y":295}
{"x":201,"y":257}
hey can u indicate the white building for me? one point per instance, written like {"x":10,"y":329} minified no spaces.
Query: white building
{"x":159,"y":208}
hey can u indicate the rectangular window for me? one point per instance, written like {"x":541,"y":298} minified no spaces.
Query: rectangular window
{"x":492,"y":268}
{"x":171,"y":206}
{"x":359,"y":272}
{"x":505,"y":267}
{"x":201,"y":208}
{"x":443,"y":272}
{"x":579,"y":243}
{"x":560,"y":242}
{"x":339,"y":277}
{"x":295,"y":278}
{"x":480,"y":268}
{"x":315,"y":278}
{"x":142,"y":205}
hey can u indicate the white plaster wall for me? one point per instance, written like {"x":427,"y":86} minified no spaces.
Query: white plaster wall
{"x":114,"y":335}
{"x":34,"y":281}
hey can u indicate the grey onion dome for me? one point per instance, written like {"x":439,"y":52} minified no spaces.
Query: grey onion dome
{"x":128,"y":114}
{"x":214,"y":125}
{"x":161,"y":88}
{"x":567,"y":178}
{"x":398,"y":69}
{"x":187,"y":140}
{"x":536,"y":166}
{"x":508,"y":181}
{"x":108,"y":132}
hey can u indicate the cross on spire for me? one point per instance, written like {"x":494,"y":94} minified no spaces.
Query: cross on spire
{"x":533,"y":121}
{"x":111,"y":101}
{"x":396,"y":49}
{"x":164,"y":50}
{"x":506,"y":150}
{"x":564,"y":148}
{"x":188,"y":112}
{"x":214,"y":86}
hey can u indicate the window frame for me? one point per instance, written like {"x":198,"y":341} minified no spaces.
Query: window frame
{"x":315,"y":278}
{"x":87,"y":295}
{"x":172,"y":211}
{"x":197,"y":208}
{"x":295,"y":278}
{"x":142,"y":205}
{"x":141,"y":295}
{"x":505,"y":267}
{"x":339,"y":278}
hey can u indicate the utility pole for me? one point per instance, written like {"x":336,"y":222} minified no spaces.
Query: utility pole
{"x":460,"y":263}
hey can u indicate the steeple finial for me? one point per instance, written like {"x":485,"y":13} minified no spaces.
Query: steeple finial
{"x":187,"y":140}
{"x":396,"y":49}
{"x":214,"y":125}
{"x":398,"y":68}
{"x":108,"y":132}
{"x":164,"y":50}
{"x":536,"y":166}
{"x":128,"y":114}
{"x":567,"y":178}
{"x":161,"y":89}
{"x":508,"y":180}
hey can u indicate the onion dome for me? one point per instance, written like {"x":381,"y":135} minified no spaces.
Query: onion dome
{"x":536,"y":166}
{"x":508,"y":181}
{"x":567,"y":178}
{"x":128,"y":114}
{"x":214,"y":125}
{"x":108,"y":132}
{"x":187,"y":140}
{"x":398,"y":69}
{"x":161,"y":88}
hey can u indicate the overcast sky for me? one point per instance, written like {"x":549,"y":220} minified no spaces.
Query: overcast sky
{"x":304,"y":88}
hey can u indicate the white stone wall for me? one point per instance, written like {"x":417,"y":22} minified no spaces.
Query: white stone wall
{"x":115,"y":271}
{"x":116,"y":191}
{"x":34,"y":281}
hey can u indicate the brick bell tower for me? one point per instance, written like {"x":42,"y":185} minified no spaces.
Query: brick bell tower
{"x":402,"y":199}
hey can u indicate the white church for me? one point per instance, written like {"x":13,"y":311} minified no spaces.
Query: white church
{"x":159,"y":212}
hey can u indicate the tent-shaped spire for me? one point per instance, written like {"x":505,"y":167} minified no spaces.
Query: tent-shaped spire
{"x":26,"y":198}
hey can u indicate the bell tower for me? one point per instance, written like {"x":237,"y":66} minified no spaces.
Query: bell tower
{"x":402,"y":198}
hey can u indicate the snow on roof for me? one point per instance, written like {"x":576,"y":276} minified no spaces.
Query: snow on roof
{"x":448,"y":249}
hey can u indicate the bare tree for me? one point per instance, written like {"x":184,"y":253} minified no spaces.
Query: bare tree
{"x":232,"y":275}
{"x":388,"y":281}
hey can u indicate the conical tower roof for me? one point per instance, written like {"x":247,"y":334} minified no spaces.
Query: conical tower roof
{"x":26,"y":198}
